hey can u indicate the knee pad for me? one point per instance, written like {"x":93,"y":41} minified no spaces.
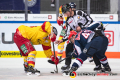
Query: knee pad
{"x":61,"y":46}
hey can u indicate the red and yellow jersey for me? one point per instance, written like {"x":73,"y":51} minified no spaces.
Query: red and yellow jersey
{"x":36,"y":34}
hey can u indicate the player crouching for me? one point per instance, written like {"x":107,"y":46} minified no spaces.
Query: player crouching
{"x":25,"y":37}
{"x":88,"y":42}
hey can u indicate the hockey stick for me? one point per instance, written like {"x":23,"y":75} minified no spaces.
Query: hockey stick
{"x":54,"y":50}
{"x":55,"y":58}
{"x":105,"y":26}
{"x":66,"y":57}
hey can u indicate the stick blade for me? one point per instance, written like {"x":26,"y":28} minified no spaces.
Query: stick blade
{"x":51,"y":62}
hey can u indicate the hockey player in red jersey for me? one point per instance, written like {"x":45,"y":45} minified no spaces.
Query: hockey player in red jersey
{"x":27,"y":36}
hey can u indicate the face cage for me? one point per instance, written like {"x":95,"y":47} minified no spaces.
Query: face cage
{"x":66,"y":11}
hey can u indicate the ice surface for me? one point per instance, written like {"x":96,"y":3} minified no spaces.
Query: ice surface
{"x":12,"y":69}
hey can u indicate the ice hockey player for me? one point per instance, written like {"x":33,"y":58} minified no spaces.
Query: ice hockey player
{"x":75,"y":18}
{"x":25,"y":37}
{"x":60,"y":23}
{"x":88,"y":42}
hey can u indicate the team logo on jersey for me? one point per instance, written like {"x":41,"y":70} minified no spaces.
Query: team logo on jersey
{"x":31,"y":3}
{"x":78,"y":17}
{"x":39,"y":41}
{"x":46,"y":41}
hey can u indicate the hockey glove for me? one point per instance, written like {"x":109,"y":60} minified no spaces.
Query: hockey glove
{"x":53,"y":60}
{"x":52,"y":37}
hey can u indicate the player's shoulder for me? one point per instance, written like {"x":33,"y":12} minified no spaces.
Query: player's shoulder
{"x":68,"y":19}
{"x":79,"y":12}
{"x":21,"y":26}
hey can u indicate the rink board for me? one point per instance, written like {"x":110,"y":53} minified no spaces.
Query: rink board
{"x":9,"y":49}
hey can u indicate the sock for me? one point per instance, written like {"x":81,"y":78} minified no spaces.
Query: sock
{"x":31,"y":58}
{"x":104,"y":61}
{"x":25,"y":61}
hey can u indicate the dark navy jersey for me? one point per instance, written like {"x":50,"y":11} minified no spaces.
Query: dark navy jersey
{"x":85,"y":36}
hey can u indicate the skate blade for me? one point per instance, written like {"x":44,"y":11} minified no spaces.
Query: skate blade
{"x":64,"y":74}
{"x":105,"y":71}
{"x":64,"y":70}
{"x":30,"y":73}
{"x":97,"y":70}
{"x":26,"y":71}
{"x":38,"y":74}
{"x":91,"y":61}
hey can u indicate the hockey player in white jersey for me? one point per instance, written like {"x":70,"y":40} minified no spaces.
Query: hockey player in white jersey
{"x":75,"y":18}
{"x":62,"y":34}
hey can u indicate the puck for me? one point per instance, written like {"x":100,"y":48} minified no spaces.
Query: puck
{"x":52,"y":72}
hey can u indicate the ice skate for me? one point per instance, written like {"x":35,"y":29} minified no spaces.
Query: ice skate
{"x":73,"y":69}
{"x":65,"y":67}
{"x":65,"y":72}
{"x":90,"y":59}
{"x":25,"y":68}
{"x":31,"y":71}
{"x":97,"y":68}
{"x":106,"y":68}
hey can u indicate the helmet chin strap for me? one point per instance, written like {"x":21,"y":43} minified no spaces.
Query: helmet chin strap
{"x":71,"y":13}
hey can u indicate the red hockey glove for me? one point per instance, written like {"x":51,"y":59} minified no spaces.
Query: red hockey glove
{"x":52,"y":37}
{"x":60,"y":21}
{"x":71,"y":34}
{"x":53,"y":60}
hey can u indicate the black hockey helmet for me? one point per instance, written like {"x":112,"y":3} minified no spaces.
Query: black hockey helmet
{"x":72,"y":4}
{"x":65,"y":8}
{"x":55,"y":31}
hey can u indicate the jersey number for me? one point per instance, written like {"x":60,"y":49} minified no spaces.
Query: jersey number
{"x":86,"y":35}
